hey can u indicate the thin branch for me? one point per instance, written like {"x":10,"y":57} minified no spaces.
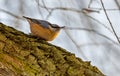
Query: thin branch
{"x":38,"y":4}
{"x":114,"y":9}
{"x":91,"y":30}
{"x":99,"y":22}
{"x":94,"y":44}
{"x":117,"y":3}
{"x":78,"y":48}
{"x":50,"y":13}
{"x":110,"y":22}
{"x":62,"y":8}
{"x":77,"y":28}
{"x":89,"y":10}
{"x":45,"y":5}
{"x":90,"y":3}
{"x":11,"y":14}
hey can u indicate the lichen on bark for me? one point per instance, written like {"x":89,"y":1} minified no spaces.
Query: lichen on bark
{"x":26,"y":55}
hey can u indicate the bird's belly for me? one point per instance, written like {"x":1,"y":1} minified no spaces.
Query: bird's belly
{"x":41,"y":32}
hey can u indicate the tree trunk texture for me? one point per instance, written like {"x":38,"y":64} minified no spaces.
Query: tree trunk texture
{"x":26,"y":55}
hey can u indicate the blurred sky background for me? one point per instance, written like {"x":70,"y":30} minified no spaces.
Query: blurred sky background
{"x":91,"y":37}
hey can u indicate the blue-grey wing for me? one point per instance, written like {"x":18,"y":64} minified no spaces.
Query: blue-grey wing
{"x":43,"y":23}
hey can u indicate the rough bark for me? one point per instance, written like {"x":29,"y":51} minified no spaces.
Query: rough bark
{"x":25,"y":55}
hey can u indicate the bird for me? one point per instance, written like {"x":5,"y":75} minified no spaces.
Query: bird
{"x":43,"y":29}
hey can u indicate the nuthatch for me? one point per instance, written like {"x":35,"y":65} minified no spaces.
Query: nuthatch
{"x":43,"y":29}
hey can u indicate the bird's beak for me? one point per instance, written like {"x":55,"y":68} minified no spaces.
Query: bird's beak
{"x":59,"y":27}
{"x":62,"y":27}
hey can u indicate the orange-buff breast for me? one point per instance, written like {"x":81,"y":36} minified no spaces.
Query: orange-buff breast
{"x":41,"y":32}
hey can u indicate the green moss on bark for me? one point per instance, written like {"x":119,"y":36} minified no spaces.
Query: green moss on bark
{"x":26,"y":55}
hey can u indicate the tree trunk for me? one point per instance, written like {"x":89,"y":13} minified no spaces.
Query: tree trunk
{"x":26,"y":55}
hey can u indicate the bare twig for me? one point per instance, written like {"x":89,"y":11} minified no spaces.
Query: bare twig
{"x":89,"y":10}
{"x":99,"y":22}
{"x":91,"y":30}
{"x":95,"y":44}
{"x":50,"y":13}
{"x":78,"y":47}
{"x":117,"y":4}
{"x":11,"y":14}
{"x":21,"y":11}
{"x":90,"y":3}
{"x":113,"y":9}
{"x":38,"y":4}
{"x":62,"y":8}
{"x":45,"y":5}
{"x":110,"y":22}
